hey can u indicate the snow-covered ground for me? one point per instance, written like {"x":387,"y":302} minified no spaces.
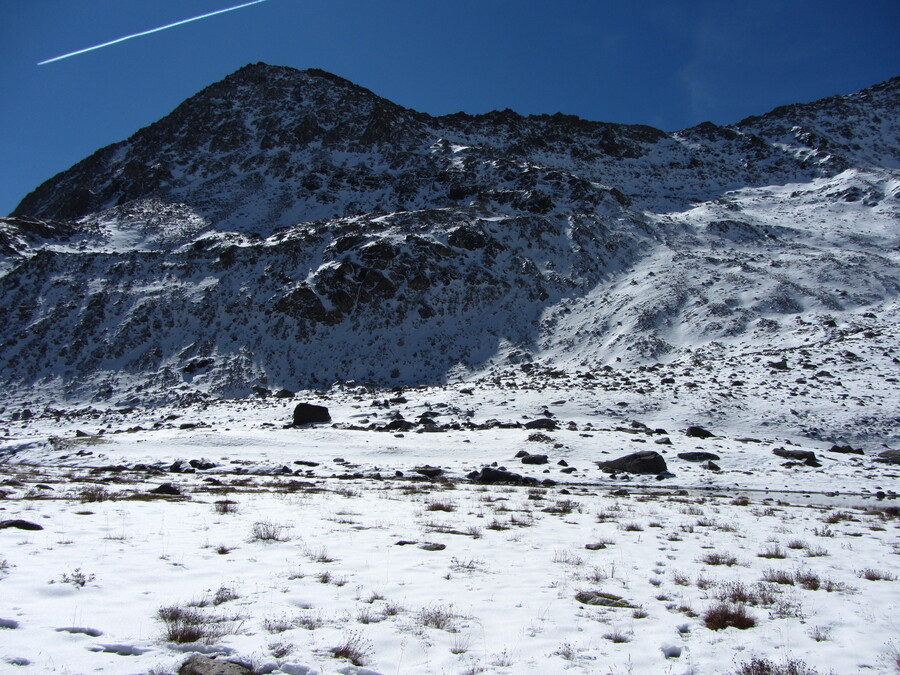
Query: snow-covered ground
{"x":322,"y":546}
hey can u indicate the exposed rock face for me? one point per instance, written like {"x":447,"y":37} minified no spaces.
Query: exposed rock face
{"x":646,"y":461}
{"x":300,"y":230}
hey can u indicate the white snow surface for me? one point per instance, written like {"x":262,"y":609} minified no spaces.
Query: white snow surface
{"x":500,"y":597}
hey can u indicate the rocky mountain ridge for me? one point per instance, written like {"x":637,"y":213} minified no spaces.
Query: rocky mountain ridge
{"x":291,"y":228}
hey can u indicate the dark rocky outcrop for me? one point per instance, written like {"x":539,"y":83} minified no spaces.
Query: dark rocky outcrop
{"x":889,"y":457}
{"x":19,"y":525}
{"x":808,"y":457}
{"x":698,"y":432}
{"x":846,"y":450}
{"x":697,"y":456}
{"x":309,"y":413}
{"x":646,"y":461}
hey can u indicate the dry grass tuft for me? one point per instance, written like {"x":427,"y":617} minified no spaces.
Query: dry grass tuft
{"x":727,"y":615}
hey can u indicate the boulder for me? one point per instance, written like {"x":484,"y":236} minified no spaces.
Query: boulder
{"x":697,"y":456}
{"x":397,"y":425}
{"x":19,"y":525}
{"x":544,"y":423}
{"x":889,"y":457}
{"x":808,"y":457}
{"x":489,"y":476}
{"x":165,"y":489}
{"x":846,"y":450}
{"x":646,"y":461}
{"x":204,"y":665}
{"x":308,"y":413}
{"x":284,"y":393}
{"x":698,"y":432}
{"x":534,"y":459}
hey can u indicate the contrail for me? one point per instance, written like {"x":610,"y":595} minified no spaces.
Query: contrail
{"x":152,"y":30}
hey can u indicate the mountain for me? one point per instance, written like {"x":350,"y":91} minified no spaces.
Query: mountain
{"x":290,"y":228}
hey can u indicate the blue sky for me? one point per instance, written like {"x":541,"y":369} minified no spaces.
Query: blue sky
{"x":670,"y":64}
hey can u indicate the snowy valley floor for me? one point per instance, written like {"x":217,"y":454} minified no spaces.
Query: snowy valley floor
{"x":301,"y":550}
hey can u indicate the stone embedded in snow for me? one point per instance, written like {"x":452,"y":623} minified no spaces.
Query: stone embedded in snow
{"x":544,"y":423}
{"x":20,"y":525}
{"x":534,"y":459}
{"x":646,"y":461}
{"x":488,"y":475}
{"x":598,"y":598}
{"x":284,"y":393}
{"x":430,"y":546}
{"x":889,"y":457}
{"x":698,"y":432}
{"x":165,"y":489}
{"x":697,"y":456}
{"x":308,"y":413}
{"x":846,"y":450}
{"x":204,"y":665}
{"x":808,"y":457}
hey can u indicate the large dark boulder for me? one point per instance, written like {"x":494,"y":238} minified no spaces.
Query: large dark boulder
{"x":308,"y":413}
{"x":697,"y":456}
{"x":646,"y":461}
{"x":846,"y":450}
{"x":808,"y":457}
{"x":698,"y":432}
{"x":544,"y":423}
{"x":889,"y":457}
{"x":490,"y":476}
{"x":19,"y":525}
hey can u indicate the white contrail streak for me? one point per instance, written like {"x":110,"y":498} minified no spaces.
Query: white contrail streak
{"x":152,"y":30}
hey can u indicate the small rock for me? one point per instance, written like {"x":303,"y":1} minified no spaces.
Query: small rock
{"x":19,"y":525}
{"x":165,"y":489}
{"x":204,"y":665}
{"x":432,"y":547}
{"x":598,"y":598}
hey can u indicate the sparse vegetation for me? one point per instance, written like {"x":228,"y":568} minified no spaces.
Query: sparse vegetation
{"x":354,"y":648}
{"x":714,"y":558}
{"x":437,"y":616}
{"x":872,"y":574}
{"x":77,"y":578}
{"x":266,"y":531}
{"x":728,"y":615}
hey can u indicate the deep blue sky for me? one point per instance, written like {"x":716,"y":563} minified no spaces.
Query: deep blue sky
{"x":667,"y":63}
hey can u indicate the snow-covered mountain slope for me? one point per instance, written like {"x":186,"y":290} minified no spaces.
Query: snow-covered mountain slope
{"x":289,"y":228}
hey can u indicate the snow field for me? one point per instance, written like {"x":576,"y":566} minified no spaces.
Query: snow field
{"x":294,"y":569}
